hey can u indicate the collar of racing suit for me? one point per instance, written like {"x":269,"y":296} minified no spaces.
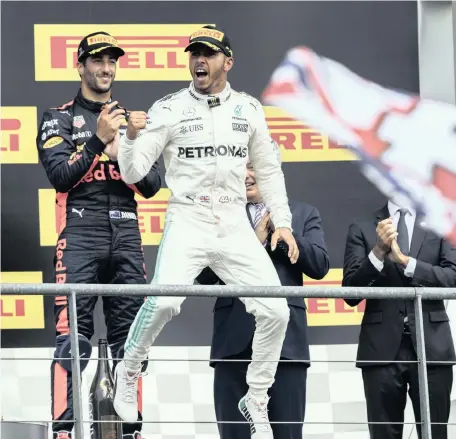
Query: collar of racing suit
{"x":92,"y":106}
{"x":211,"y":100}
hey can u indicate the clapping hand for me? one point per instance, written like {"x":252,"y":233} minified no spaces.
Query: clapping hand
{"x":109,"y":122}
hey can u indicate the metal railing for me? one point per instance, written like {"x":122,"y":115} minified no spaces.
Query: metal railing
{"x":417,"y":294}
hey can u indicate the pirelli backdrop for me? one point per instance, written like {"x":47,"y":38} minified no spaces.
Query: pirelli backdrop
{"x":39,"y":41}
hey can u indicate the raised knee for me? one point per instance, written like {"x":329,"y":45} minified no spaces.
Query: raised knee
{"x":168,"y":307}
{"x":279,"y":314}
{"x":282,"y":314}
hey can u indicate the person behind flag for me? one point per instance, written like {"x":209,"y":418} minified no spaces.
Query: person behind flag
{"x":391,"y":248}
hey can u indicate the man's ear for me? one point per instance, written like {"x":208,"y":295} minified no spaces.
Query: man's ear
{"x":80,"y":67}
{"x":228,"y":64}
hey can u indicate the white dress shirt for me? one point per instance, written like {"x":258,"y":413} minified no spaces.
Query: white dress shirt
{"x":252,"y":210}
{"x":410,"y":223}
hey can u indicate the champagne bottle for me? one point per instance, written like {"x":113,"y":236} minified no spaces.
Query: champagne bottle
{"x":101,"y":407}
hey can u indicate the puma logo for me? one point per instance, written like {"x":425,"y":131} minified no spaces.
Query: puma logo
{"x":77,"y":211}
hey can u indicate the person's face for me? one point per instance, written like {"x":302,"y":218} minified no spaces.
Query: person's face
{"x":251,"y":187}
{"x":208,"y":68}
{"x":98,"y":72}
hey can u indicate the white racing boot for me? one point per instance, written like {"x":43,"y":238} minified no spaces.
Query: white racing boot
{"x":125,"y":393}
{"x":256,"y":413}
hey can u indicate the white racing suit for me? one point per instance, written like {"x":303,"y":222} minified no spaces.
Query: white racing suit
{"x":206,"y":143}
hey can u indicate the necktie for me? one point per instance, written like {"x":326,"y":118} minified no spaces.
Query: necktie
{"x":403,"y":236}
{"x":259,"y":212}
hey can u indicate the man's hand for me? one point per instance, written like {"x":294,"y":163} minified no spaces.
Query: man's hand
{"x":108,"y":124}
{"x":136,"y":123}
{"x":262,"y":229}
{"x":112,"y":148}
{"x":284,"y":234}
{"x":397,"y":256}
{"x":386,"y":233}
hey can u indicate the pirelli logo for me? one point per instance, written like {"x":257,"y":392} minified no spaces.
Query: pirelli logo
{"x":19,"y":127}
{"x":21,"y":312}
{"x":101,"y":38}
{"x":331,"y":312}
{"x":300,"y":143}
{"x":151,"y":217}
{"x":209,"y":33}
{"x":153,"y":52}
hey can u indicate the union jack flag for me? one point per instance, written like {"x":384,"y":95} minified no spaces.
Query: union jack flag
{"x":406,"y":144}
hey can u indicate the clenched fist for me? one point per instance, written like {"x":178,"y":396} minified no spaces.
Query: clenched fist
{"x":108,"y":123}
{"x":136,"y":122}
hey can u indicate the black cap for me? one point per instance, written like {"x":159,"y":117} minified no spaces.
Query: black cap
{"x":97,"y":42}
{"x":211,"y":37}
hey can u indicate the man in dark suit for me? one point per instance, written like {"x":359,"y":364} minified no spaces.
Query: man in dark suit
{"x":234,"y":327}
{"x":390,"y":248}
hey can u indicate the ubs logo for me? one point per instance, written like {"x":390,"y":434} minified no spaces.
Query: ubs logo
{"x":191,"y":128}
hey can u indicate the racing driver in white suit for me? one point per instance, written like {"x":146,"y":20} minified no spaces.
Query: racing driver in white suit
{"x":207,"y":133}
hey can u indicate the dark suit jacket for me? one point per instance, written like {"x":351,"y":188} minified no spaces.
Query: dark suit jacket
{"x":383,"y":322}
{"x":234,"y":327}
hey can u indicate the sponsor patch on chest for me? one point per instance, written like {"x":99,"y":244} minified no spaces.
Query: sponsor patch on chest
{"x":241,"y":127}
{"x":193,"y":152}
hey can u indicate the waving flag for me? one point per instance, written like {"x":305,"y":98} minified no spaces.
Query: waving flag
{"x":406,"y":145}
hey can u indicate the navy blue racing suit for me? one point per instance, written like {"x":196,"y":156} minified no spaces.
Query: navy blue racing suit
{"x":98,"y":235}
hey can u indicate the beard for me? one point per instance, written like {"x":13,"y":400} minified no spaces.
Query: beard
{"x":94,"y":83}
{"x":212,"y":82}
